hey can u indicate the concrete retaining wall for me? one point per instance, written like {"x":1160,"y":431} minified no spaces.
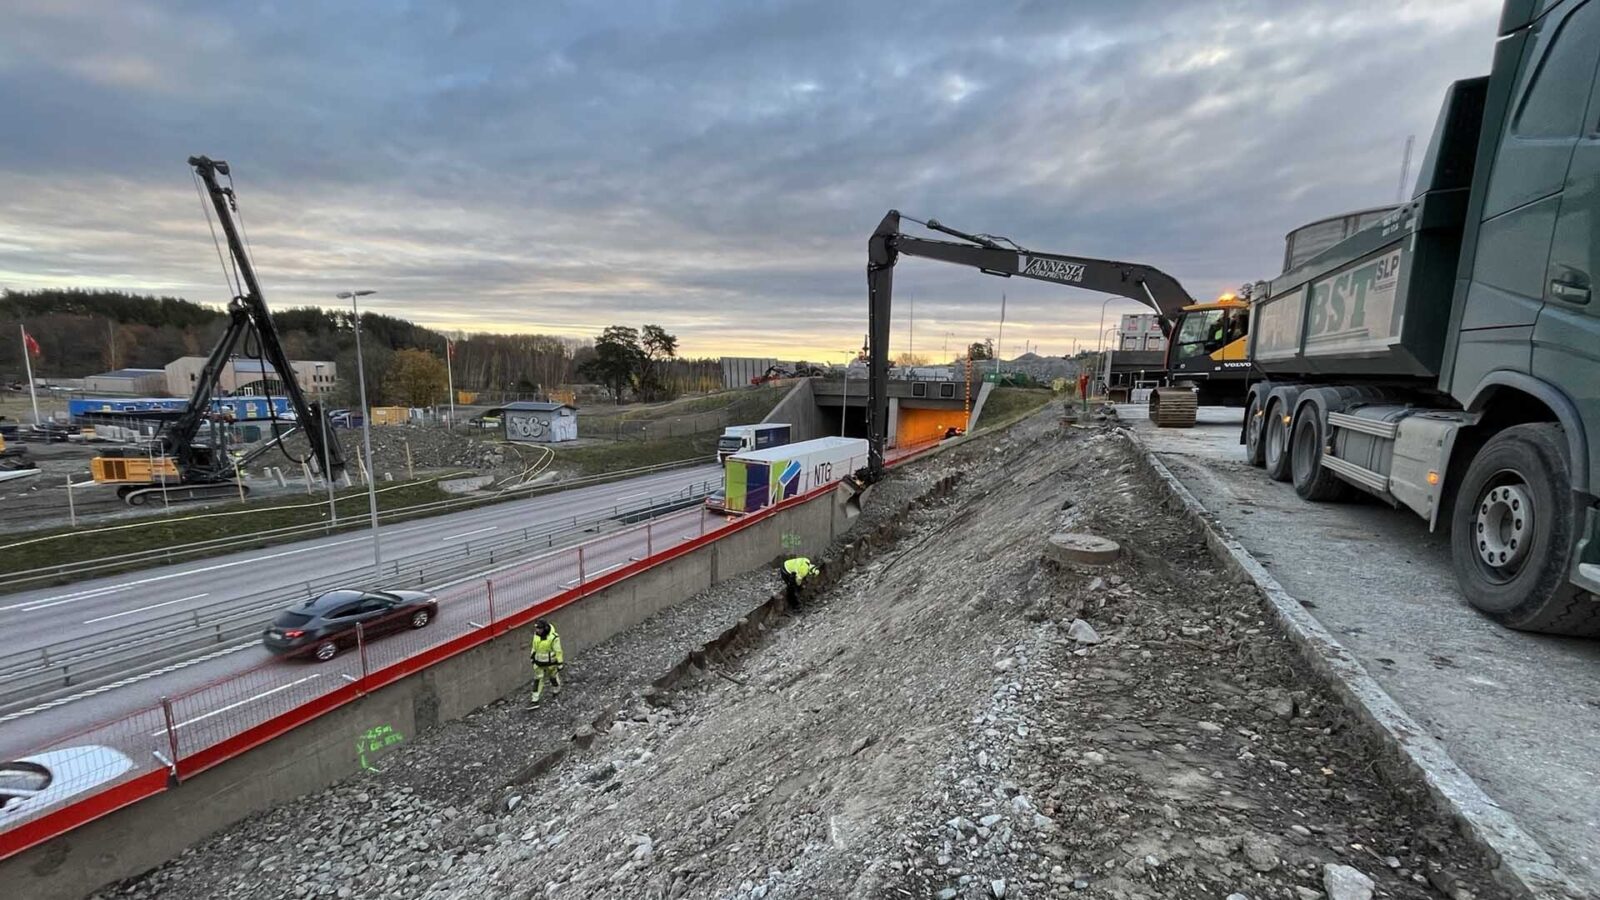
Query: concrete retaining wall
{"x":323,"y":751}
{"x":799,"y":409}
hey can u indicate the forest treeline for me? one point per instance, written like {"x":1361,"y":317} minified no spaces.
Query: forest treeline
{"x":85,"y":332}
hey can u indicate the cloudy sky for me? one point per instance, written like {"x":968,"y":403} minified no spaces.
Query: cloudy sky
{"x":714,"y":166}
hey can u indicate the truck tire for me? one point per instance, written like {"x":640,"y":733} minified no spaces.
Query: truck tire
{"x":1511,"y":535}
{"x":1312,"y":480}
{"x":1275,"y":444}
{"x":1254,"y":422}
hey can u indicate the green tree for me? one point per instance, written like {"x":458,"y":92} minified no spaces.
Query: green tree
{"x":617,"y":361}
{"x":415,"y":378}
{"x":657,"y":350}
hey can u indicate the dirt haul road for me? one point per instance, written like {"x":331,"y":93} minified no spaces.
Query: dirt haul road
{"x":933,"y":724}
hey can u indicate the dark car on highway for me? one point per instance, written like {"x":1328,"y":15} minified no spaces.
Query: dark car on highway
{"x":324,"y":624}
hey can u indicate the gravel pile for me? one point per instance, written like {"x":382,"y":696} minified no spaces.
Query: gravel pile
{"x":954,"y":718}
{"x":432,"y":449}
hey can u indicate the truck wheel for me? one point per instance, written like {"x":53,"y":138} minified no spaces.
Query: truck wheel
{"x":1511,"y":535}
{"x":1312,"y":480}
{"x":1275,"y":437}
{"x":1254,"y":421}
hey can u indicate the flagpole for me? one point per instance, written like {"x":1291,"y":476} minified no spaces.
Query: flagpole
{"x":27,"y":360}
{"x":450,"y":375}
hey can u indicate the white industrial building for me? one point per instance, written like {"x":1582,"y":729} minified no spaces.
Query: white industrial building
{"x":531,"y":422}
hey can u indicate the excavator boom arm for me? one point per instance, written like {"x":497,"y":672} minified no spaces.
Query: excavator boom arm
{"x":1146,"y":284}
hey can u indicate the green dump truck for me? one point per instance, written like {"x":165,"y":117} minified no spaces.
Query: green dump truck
{"x":1447,"y":359}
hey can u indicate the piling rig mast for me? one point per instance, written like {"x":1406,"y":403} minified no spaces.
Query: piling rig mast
{"x":185,"y":468}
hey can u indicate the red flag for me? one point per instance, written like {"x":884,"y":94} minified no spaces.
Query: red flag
{"x":33,"y":346}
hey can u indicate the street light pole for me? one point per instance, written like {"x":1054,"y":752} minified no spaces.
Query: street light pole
{"x":366,"y":432}
{"x":1103,"y":306}
{"x":1105,"y":359}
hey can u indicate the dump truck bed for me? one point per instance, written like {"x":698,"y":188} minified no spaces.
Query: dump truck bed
{"x":1376,"y":306}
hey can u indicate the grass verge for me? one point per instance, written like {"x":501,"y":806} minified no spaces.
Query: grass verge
{"x":1009,"y":404}
{"x":601,"y":458}
{"x":187,"y":525}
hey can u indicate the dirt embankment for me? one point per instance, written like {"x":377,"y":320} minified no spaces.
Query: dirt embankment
{"x":954,"y":717}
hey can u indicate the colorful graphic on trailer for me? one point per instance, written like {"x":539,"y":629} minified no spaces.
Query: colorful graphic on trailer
{"x":755,"y":485}
{"x":788,"y":482}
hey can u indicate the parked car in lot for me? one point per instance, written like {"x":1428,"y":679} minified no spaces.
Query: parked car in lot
{"x":325,"y":624}
{"x":33,"y":783}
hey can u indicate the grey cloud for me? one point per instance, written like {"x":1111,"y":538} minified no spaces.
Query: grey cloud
{"x":556,"y":166}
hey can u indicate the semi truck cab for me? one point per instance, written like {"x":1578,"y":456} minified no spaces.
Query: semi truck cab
{"x":743,"y":438}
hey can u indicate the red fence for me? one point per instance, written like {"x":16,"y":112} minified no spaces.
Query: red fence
{"x":106,"y":766}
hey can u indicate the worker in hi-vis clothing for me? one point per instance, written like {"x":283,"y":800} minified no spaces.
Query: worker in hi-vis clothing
{"x":795,"y":572}
{"x":545,"y":654}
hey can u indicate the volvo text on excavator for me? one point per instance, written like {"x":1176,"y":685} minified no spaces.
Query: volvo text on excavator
{"x":181,"y":465}
{"x":1205,"y":344}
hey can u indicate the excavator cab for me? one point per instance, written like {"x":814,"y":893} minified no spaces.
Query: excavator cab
{"x":1209,"y":344}
{"x":1208,"y":360}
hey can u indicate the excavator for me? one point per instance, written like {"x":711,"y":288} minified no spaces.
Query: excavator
{"x":780,"y":372}
{"x":1206,"y":342}
{"x":179,"y":465}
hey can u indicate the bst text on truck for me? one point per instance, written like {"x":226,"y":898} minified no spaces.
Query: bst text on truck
{"x":1448,"y":359}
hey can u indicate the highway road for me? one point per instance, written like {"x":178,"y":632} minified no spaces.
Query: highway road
{"x":225,"y":689}
{"x":130,"y":602}
{"x":126,"y":601}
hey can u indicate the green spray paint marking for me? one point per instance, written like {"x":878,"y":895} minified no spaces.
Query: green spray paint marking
{"x":793,"y":541}
{"x":375,"y":739}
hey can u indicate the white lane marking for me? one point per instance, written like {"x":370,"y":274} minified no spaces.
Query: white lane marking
{"x":220,"y":711}
{"x":470,"y":533}
{"x":59,"y":599}
{"x":633,"y":496}
{"x":145,"y":676}
{"x":132,"y":679}
{"x":145,"y":609}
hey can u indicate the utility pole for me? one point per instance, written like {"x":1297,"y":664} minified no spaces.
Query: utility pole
{"x":1405,"y":170}
{"x":844,"y":410}
{"x":999,"y":338}
{"x":366,"y":433}
{"x":450,"y":375}
{"x":327,"y":475}
{"x":911,"y":327}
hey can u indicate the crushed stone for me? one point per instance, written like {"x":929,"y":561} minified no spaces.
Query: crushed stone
{"x":928,"y":726}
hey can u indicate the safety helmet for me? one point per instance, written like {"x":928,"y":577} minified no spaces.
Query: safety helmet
{"x":541,"y":627}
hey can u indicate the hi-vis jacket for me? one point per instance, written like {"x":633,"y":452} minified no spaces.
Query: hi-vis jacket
{"x":800,"y":567}
{"x":546,"y":651}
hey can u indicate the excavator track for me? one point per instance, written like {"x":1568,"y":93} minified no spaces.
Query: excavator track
{"x":1173,"y":407}
{"x":139,"y":496}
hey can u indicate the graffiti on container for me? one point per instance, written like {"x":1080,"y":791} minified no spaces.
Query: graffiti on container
{"x":376,"y":739}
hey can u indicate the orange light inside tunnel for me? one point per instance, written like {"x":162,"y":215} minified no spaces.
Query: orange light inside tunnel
{"x":919,"y":426}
